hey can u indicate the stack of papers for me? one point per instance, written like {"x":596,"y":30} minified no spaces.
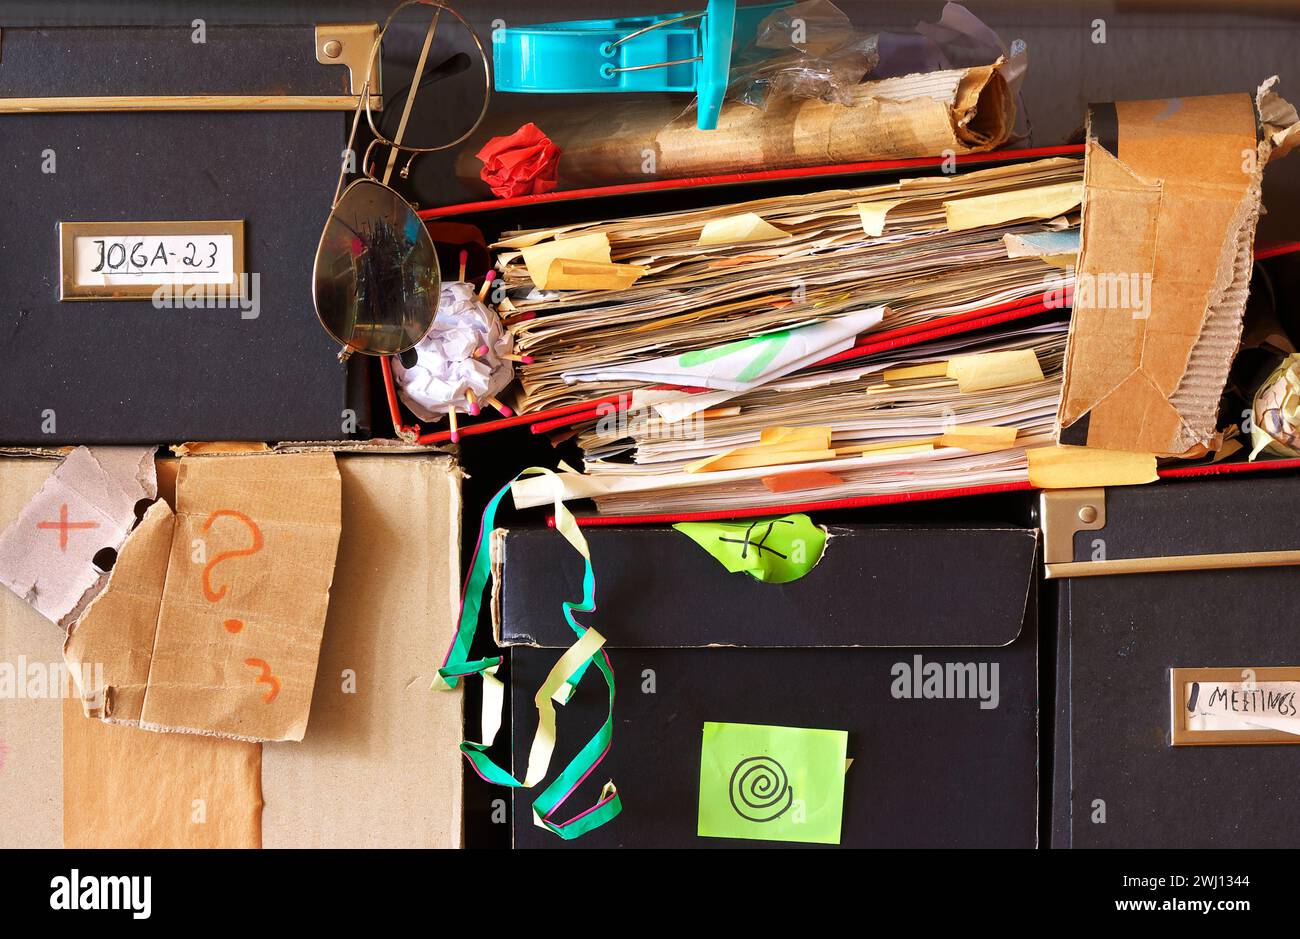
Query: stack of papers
{"x":962,"y":412}
{"x":615,"y":306}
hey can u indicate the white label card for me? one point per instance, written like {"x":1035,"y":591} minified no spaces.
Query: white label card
{"x":132,"y":260}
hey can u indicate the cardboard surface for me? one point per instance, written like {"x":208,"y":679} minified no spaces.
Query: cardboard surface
{"x":127,"y":788}
{"x":378,"y":767}
{"x":1172,"y":197}
{"x":31,"y":738}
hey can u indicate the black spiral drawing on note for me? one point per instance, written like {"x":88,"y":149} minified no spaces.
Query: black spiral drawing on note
{"x":760,"y":789}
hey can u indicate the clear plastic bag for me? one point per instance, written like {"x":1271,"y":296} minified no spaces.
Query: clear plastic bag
{"x":806,"y":50}
{"x":812,"y":50}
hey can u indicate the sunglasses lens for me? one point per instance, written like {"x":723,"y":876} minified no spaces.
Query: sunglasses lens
{"x":376,"y":280}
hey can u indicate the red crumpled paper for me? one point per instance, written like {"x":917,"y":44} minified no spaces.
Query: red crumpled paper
{"x":524,"y":163}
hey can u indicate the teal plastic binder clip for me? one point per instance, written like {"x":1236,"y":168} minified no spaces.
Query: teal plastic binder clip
{"x":673,"y":52}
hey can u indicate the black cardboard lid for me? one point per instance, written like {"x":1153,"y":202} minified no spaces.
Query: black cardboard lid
{"x":874,"y":586}
{"x":76,"y":61}
{"x":1197,"y":516}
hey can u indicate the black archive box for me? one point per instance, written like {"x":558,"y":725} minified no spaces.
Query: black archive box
{"x":235,"y":125}
{"x":1189,"y":575}
{"x":819,"y":652}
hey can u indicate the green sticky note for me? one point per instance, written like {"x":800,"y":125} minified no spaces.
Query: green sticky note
{"x":771,"y":550}
{"x":772,"y":783}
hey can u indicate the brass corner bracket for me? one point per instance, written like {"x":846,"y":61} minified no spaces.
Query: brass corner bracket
{"x":1062,"y":514}
{"x":349,"y":44}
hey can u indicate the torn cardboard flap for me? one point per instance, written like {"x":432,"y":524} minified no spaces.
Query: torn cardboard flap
{"x":88,"y":504}
{"x":1172,"y":197}
{"x":211,"y":623}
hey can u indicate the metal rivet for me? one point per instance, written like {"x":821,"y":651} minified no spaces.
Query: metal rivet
{"x":332,"y":49}
{"x":1088,"y":514}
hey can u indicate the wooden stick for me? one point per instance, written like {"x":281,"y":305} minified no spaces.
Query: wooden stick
{"x":525,"y":359}
{"x":455,"y":429}
{"x":487,"y":281}
{"x":464,"y":259}
{"x":505,"y":411}
{"x":473,"y":402}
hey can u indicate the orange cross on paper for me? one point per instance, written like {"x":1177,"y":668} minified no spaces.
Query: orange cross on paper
{"x":63,"y":526}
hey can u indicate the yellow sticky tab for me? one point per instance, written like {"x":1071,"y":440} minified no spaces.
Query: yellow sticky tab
{"x":539,"y":754}
{"x":795,"y":438}
{"x":1084,"y":467}
{"x":1002,"y":207}
{"x":873,"y":215}
{"x":566,"y":274}
{"x":928,"y":370}
{"x":994,"y":370}
{"x":749,"y":457}
{"x":892,"y":448}
{"x":978,"y":438}
{"x":538,"y":258}
{"x":735,"y":229}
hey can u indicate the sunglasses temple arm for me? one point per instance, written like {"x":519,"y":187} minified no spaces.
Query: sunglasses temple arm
{"x":410,"y":94}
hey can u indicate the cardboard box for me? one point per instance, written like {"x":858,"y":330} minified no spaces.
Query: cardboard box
{"x":1171,"y":200}
{"x":1200,"y":596}
{"x":691,"y":643}
{"x":378,"y":766}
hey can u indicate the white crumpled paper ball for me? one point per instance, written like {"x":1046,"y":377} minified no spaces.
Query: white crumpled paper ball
{"x":445,"y":366}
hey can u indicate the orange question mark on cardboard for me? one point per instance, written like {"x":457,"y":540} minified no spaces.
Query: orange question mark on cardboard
{"x":232,"y":625}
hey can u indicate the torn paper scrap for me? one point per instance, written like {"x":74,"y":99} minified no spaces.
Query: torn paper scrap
{"x":770,"y":550}
{"x":87,"y":506}
{"x":746,"y":363}
{"x":772,"y":783}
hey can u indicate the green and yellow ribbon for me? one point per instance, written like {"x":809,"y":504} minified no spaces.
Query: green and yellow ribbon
{"x":558,"y":687}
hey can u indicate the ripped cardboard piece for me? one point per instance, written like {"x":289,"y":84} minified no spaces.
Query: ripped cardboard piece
{"x":1172,"y":197}
{"x":212,"y":620}
{"x":48,"y":554}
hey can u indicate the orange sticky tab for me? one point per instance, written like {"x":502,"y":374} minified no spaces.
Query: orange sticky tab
{"x":795,"y":482}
